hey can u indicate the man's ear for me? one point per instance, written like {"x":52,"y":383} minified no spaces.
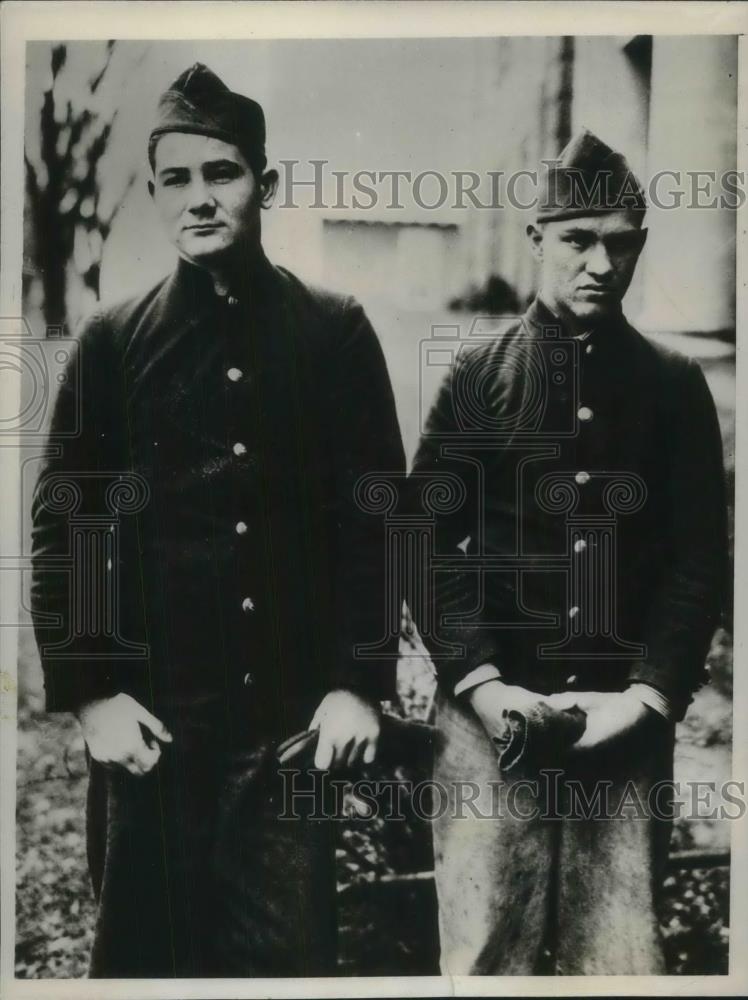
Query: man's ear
{"x":535,"y":236}
{"x":268,"y":187}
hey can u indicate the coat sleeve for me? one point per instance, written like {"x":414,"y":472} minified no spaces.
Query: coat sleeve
{"x":369,"y":449}
{"x":72,"y":483}
{"x":452,"y":601}
{"x":692,"y":591}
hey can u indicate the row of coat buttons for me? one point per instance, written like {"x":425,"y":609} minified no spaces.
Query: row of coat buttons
{"x":241,"y":527}
{"x":585,"y":414}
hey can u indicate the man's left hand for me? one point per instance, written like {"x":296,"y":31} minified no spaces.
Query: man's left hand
{"x":348,"y":730}
{"x":610,"y":715}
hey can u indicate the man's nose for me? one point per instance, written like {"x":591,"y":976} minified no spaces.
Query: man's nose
{"x":201,"y":200}
{"x":599,"y":263}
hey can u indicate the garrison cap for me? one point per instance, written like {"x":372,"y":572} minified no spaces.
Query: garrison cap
{"x":588,"y":178}
{"x":199,"y":102}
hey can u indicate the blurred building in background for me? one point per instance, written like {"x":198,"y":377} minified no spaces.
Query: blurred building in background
{"x":434,"y":107}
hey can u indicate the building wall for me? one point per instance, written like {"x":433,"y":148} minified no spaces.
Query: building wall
{"x":689,"y":279}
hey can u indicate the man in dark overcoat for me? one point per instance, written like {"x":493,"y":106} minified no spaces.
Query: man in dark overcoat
{"x":582,"y":579}
{"x":222,"y":574}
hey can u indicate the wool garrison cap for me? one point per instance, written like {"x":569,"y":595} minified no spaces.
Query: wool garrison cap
{"x":200,"y":103}
{"x":588,"y":177}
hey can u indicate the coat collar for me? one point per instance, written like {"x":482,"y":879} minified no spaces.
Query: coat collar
{"x":613,"y":341}
{"x":189,"y":294}
{"x":539,"y":316}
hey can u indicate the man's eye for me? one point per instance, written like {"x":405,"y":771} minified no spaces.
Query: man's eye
{"x":575,"y":242}
{"x":173,"y":181}
{"x":222,"y":176}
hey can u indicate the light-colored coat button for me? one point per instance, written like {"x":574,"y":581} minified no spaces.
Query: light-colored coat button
{"x":580,"y":545}
{"x":240,"y":528}
{"x":589,"y":349}
{"x":582,"y":478}
{"x":585,"y":413}
{"x":248,"y":680}
{"x":573,"y":612}
{"x":239,"y":448}
{"x":248,"y":605}
{"x":234,"y":374}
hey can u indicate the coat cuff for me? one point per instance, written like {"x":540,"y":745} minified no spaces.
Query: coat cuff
{"x":662,"y":681}
{"x":486,"y":672}
{"x":653,"y":699}
{"x":477,"y":650}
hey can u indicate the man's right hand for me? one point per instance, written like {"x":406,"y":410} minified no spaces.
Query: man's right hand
{"x":490,"y":699}
{"x":117,"y":731}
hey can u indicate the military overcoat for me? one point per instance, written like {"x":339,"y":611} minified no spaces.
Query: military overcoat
{"x":586,"y":546}
{"x":213,"y":474}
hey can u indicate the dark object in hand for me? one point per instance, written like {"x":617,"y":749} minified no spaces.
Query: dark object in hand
{"x":401,"y":741}
{"x":537,"y":738}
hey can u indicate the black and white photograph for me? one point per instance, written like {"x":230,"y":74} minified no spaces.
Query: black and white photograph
{"x":369,"y":419}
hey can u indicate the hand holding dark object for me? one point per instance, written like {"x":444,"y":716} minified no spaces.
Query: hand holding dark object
{"x":121,"y":732}
{"x":540,"y":737}
{"x":348,"y":730}
{"x":493,"y":699}
{"x":525,"y":727}
{"x":400,"y":741}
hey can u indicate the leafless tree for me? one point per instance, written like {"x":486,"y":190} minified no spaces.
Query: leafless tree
{"x":63,"y":190}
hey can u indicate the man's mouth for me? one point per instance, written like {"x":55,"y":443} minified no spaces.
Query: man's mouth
{"x":596,"y":292}
{"x":204,"y":227}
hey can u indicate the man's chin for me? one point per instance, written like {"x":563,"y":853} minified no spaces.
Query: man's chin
{"x":207,"y":247}
{"x":595,"y":310}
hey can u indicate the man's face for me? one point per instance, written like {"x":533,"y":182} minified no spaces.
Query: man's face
{"x":206,"y":195}
{"x":587,"y":264}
